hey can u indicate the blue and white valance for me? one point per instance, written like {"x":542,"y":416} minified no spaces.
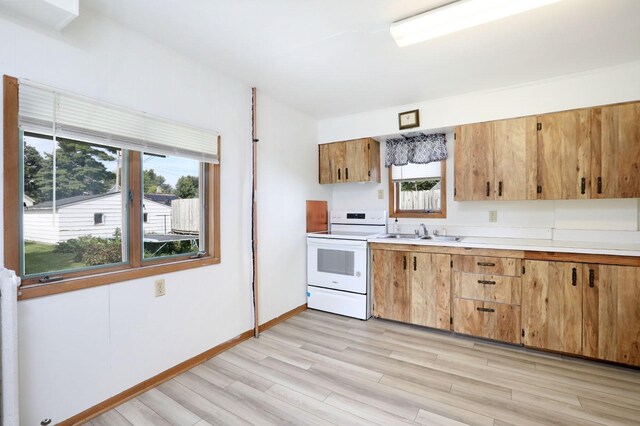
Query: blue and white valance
{"x":420,"y":149}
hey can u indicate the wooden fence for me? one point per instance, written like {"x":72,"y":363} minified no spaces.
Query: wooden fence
{"x":185,"y":216}
{"x":421,"y":200}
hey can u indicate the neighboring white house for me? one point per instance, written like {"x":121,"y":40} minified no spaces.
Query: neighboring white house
{"x":96,"y":215}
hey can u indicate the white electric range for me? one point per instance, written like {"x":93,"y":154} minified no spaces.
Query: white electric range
{"x":338,"y":265}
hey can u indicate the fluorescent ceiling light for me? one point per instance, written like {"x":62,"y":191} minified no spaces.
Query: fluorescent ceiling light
{"x":458,"y":16}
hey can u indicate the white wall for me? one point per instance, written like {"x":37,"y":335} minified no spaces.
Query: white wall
{"x":79,"y":348}
{"x":533,"y":219}
{"x":288,"y":175}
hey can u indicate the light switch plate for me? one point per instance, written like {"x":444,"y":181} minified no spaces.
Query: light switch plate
{"x":380,"y":194}
{"x":493,"y":215}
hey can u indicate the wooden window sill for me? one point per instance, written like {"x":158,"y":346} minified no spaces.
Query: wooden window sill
{"x":30,"y":291}
{"x":434,"y":215}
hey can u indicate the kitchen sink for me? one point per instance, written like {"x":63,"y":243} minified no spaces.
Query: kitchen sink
{"x":446,"y":238}
{"x":402,"y":236}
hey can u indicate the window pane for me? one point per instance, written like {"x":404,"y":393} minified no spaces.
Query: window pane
{"x":419,"y":195}
{"x":73,"y":205}
{"x":172,"y":211}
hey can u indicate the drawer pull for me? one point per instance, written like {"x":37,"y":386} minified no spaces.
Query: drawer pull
{"x":486,"y":264}
{"x":574,"y":277}
{"x":485,"y":309}
{"x":486,"y":282}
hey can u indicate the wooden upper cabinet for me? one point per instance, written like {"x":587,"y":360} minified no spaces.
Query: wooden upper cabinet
{"x":577,"y":154}
{"x":515,"y":159}
{"x":349,"y":161}
{"x":391,"y":288}
{"x":473,"y":160}
{"x":564,"y":148}
{"x":430,"y":276}
{"x":332,"y":162}
{"x":611,"y":324}
{"x":496,"y":160}
{"x":552,"y":306}
{"x":615,"y":151}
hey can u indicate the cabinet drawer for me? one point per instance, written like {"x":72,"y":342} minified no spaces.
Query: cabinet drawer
{"x":496,"y":321}
{"x":489,"y":288}
{"x":487,"y":265}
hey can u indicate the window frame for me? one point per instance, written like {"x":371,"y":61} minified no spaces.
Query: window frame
{"x":394,"y":198}
{"x":135,"y":267}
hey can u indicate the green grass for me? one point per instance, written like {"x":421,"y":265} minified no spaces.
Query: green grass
{"x":41,"y":258}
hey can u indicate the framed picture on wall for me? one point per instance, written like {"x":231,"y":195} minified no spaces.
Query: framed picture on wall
{"x":409,"y":119}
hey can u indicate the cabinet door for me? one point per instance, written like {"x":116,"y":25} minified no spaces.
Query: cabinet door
{"x":332,"y":162}
{"x":356,"y":168}
{"x":515,"y":159}
{"x":552,"y":306}
{"x":564,"y":155}
{"x":473,"y":162}
{"x":324,"y":164}
{"x":615,"y":151}
{"x":611,"y":323}
{"x":430,"y":276}
{"x":391,"y":289}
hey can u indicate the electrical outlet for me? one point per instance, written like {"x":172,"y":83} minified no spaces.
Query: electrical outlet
{"x":160,"y":289}
{"x":493,"y":215}
{"x":380,"y":194}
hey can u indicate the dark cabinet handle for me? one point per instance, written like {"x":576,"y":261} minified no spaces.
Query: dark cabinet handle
{"x":599,"y":184}
{"x":338,"y":174}
{"x":539,"y":189}
{"x":404,"y":262}
{"x":500,"y":189}
{"x":583,"y":185}
{"x":485,"y":309}
{"x":346,"y":173}
{"x":486,"y":282}
{"x":592,"y":278}
{"x":488,"y":189}
{"x":486,"y":264}
{"x":574,"y":277}
{"x":415,"y":263}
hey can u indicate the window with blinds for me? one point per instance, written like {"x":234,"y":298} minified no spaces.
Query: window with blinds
{"x":105,"y":188}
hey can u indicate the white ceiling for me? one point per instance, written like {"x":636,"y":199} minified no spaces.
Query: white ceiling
{"x":335,"y":57}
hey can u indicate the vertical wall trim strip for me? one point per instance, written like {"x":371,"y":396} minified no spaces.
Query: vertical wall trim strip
{"x":254,"y":212}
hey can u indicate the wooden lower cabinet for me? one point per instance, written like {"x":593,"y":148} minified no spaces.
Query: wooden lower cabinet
{"x":591,"y":310}
{"x":552,"y":306}
{"x":611,"y":313}
{"x":431,"y":290}
{"x":391,"y":289}
{"x":498,"y":321}
{"x":412,"y":287}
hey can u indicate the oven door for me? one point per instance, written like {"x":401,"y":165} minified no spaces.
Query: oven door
{"x":337,"y":264}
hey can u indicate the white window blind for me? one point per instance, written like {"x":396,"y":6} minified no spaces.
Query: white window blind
{"x":416,"y":171}
{"x":51,"y":112}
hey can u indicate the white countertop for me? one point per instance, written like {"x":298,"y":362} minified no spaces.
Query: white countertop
{"x":525,"y":244}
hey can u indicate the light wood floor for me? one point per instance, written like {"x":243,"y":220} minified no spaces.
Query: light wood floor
{"x":318,"y":368}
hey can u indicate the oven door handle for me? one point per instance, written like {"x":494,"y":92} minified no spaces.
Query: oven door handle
{"x":333,"y":243}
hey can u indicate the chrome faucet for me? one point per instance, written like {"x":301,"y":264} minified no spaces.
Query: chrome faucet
{"x":424,"y":229}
